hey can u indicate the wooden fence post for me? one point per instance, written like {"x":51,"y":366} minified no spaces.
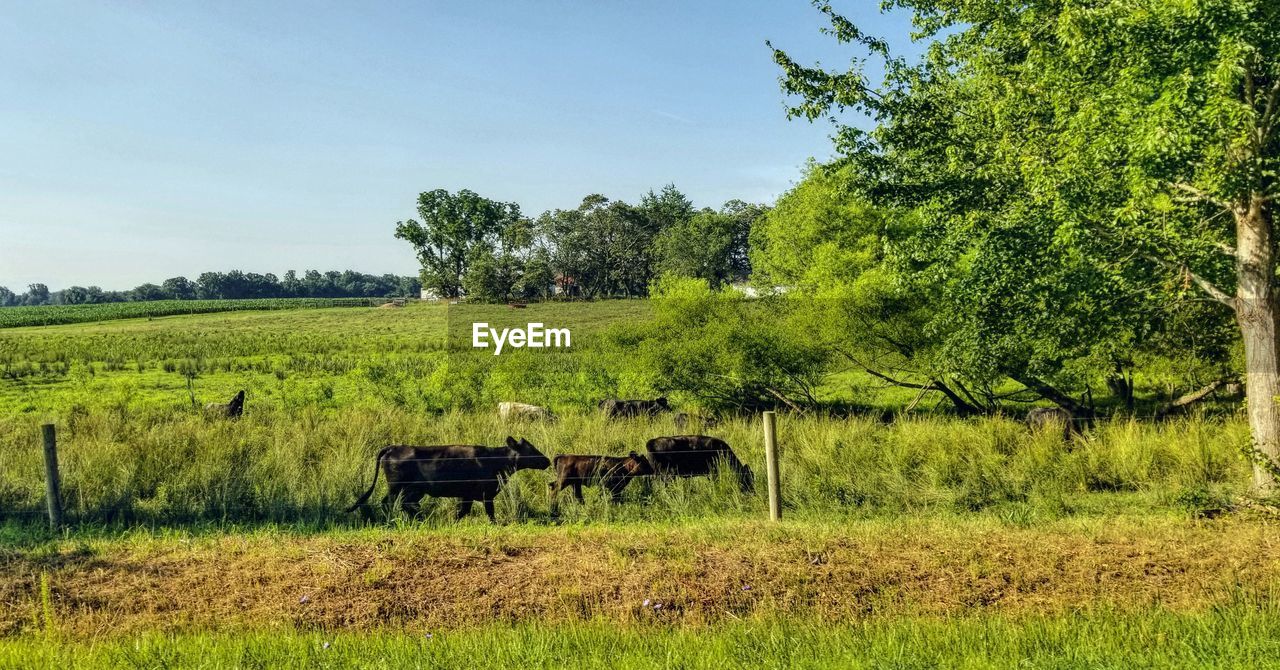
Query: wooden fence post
{"x":771,"y":466}
{"x":52,"y":483}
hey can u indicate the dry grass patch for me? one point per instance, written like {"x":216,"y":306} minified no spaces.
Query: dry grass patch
{"x":701,"y":574}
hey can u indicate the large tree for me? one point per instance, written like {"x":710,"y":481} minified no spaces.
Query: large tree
{"x":1131,"y":142}
{"x":708,"y":245}
{"x":451,"y":230}
{"x":827,"y":246}
{"x":603,"y":247}
{"x":698,"y":247}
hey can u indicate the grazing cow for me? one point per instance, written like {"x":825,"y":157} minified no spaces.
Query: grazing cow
{"x":629,"y":409}
{"x":466,"y":472}
{"x":685,"y":419}
{"x":612,"y":473}
{"x":518,"y":410}
{"x":229,"y":410}
{"x":695,"y":455}
{"x":1053,"y":419}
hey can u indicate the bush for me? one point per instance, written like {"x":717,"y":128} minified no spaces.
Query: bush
{"x":721,"y":348}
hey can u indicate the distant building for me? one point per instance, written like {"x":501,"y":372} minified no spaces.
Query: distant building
{"x":565,"y":286}
{"x":752,"y":292}
{"x":429,"y":294}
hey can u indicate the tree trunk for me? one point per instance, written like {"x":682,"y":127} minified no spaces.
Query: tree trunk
{"x":1256,"y":314}
{"x":1186,"y":400}
{"x":1120,"y":383}
{"x":963,"y":407}
{"x":1053,"y":395}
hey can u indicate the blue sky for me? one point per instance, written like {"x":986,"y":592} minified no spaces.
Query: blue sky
{"x":144,"y":140}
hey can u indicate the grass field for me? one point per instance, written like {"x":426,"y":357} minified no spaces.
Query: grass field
{"x":922,"y":542}
{"x":1231,"y":637}
{"x":49,"y":315}
{"x":319,"y":358}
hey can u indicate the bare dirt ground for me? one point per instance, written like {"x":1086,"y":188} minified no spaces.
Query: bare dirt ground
{"x":362,"y":580}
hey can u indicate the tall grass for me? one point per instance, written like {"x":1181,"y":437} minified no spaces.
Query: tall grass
{"x":281,"y":464}
{"x":328,"y":388}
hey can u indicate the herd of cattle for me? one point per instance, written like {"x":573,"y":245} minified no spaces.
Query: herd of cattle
{"x":474,"y":473}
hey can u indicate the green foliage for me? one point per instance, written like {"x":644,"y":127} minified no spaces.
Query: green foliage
{"x":722,"y":348}
{"x":493,"y":277}
{"x":539,"y":276}
{"x":453,"y":230}
{"x":819,"y":235}
{"x":698,"y":247}
{"x":709,"y":245}
{"x":1039,"y":146}
{"x":602,"y":248}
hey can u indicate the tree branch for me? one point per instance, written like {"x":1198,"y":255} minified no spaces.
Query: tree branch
{"x":1200,"y":282}
{"x":881,"y":375}
{"x":1203,"y":284}
{"x":919,"y":396}
{"x":963,"y":407}
{"x":1198,"y":195}
{"x":1190,"y":398}
{"x":1054,"y":395}
{"x":1268,"y":115}
{"x":967,"y":393}
{"x":794,"y":407}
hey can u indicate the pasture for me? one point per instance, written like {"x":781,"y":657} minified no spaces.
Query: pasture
{"x":924,"y":540}
{"x":50,"y":315}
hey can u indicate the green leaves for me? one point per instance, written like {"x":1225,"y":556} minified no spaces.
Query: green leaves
{"x":721,"y":349}
{"x":1070,"y":164}
{"x":452,"y":230}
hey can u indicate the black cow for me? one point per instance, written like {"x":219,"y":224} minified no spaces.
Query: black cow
{"x":467,"y":472}
{"x":229,"y":410}
{"x":694,"y":456}
{"x":630,"y":409}
{"x":612,"y":473}
{"x":1052,"y":418}
{"x":684,"y":419}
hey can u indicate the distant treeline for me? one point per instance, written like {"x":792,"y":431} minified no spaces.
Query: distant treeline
{"x":233,"y":285}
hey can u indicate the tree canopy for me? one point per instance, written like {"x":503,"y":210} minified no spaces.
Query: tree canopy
{"x":600,"y":248}
{"x":1083,"y":171}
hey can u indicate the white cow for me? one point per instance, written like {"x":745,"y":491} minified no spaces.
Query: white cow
{"x":519,"y":410}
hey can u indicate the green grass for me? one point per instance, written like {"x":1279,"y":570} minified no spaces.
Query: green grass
{"x":329,"y":387}
{"x":323,"y":358}
{"x":1240,"y":636}
{"x":922,"y":516}
{"x":48,"y":315}
{"x":307,"y":464}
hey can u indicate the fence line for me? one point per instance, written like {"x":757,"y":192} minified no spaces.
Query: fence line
{"x":267,"y":507}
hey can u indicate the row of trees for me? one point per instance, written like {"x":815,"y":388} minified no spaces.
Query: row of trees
{"x":487,"y":250}
{"x":1053,"y":193}
{"x":227,"y":286}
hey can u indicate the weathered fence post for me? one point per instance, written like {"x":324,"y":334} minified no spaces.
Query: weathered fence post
{"x":52,"y":484}
{"x":771,"y":466}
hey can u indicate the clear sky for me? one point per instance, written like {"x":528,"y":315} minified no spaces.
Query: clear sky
{"x":144,"y":140}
